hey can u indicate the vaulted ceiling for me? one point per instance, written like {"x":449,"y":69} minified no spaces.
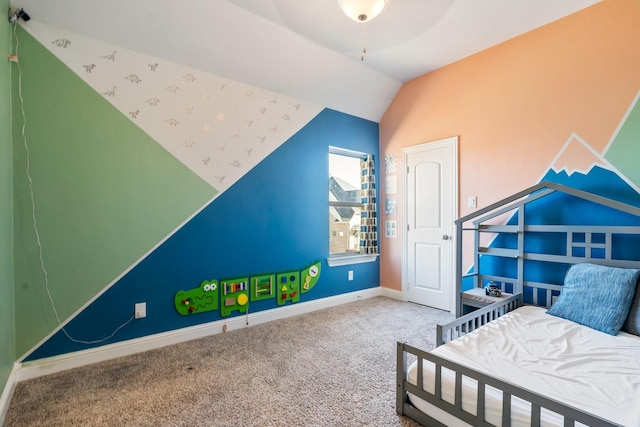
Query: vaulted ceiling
{"x":307,"y":49}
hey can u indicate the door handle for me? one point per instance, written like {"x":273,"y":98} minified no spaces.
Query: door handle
{"x":445,"y":237}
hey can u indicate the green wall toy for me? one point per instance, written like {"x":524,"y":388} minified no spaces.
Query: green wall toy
{"x":235,"y":295}
{"x":288,"y":284}
{"x":263,"y":287}
{"x":309,"y":277}
{"x":199,"y":300}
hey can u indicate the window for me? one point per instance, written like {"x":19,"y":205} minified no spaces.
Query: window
{"x":352,"y":205}
{"x":344,"y":204}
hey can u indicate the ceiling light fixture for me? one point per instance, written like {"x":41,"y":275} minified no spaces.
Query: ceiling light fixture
{"x":362,"y":10}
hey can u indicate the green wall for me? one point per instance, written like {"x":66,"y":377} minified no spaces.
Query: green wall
{"x":625,"y":142}
{"x":105,"y":193}
{"x":7,"y":330}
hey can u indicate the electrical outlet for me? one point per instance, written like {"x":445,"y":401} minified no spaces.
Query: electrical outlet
{"x":140,"y":310}
{"x":350,"y":275}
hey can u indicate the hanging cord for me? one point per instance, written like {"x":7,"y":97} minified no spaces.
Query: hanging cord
{"x":14,"y":58}
{"x":364,"y":41}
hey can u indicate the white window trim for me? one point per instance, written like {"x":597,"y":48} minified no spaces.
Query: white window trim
{"x":339,"y":260}
{"x":346,"y":152}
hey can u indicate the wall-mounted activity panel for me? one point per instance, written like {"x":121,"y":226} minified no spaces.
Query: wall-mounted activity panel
{"x":235,"y":295}
{"x":309,"y":277}
{"x":199,"y":300}
{"x":288,"y":287}
{"x":263,"y":287}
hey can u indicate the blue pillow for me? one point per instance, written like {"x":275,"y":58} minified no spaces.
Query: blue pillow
{"x":597,"y":296}
{"x":632,"y":324}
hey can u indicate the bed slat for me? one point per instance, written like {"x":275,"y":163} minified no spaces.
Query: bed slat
{"x":535,"y":414}
{"x":506,"y":408}
{"x":481,"y":400}
{"x":458,"y":392}
{"x":420,"y":373}
{"x":438,"y":379}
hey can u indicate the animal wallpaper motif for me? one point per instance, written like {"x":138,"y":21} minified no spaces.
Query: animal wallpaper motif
{"x":217,"y":127}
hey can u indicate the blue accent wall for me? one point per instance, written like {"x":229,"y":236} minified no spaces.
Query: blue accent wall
{"x":274,"y":219}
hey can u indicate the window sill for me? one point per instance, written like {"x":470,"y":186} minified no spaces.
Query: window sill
{"x":337,"y":261}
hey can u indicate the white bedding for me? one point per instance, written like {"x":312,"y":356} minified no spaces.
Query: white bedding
{"x":574,"y":364}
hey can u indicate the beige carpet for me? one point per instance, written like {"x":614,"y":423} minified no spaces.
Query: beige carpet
{"x":333,"y":367}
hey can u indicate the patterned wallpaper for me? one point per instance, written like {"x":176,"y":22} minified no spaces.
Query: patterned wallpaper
{"x":217,"y":127}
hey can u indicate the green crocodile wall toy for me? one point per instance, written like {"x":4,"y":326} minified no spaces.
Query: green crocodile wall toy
{"x":207,"y":296}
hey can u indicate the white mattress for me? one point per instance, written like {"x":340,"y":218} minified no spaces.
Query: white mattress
{"x":574,"y":364}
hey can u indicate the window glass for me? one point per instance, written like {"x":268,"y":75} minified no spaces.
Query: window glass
{"x":344,"y":203}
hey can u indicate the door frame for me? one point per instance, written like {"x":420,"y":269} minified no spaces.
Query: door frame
{"x":427,"y":146}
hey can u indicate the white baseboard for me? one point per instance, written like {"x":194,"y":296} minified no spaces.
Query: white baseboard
{"x":50,"y":365}
{"x":392,"y":293}
{"x":7,"y":393}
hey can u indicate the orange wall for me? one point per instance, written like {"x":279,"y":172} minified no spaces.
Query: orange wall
{"x":514,"y":106}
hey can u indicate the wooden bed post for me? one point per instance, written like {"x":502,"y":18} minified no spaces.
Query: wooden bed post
{"x":401,"y":369}
{"x":458,"y":306}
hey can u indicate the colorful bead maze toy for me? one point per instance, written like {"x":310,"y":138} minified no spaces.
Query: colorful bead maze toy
{"x":263,"y":287}
{"x":235,"y":295}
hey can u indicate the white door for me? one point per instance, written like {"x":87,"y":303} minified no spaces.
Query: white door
{"x":430,"y":209}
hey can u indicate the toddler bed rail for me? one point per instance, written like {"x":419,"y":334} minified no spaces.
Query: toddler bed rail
{"x":404,"y":407}
{"x":465,"y":324}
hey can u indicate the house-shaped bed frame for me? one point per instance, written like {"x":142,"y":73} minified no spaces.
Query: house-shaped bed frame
{"x":582,"y":243}
{"x":607,"y":241}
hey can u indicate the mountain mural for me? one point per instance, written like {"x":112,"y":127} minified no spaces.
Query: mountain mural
{"x":580,"y":166}
{"x":577,"y":156}
{"x":611,"y":173}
